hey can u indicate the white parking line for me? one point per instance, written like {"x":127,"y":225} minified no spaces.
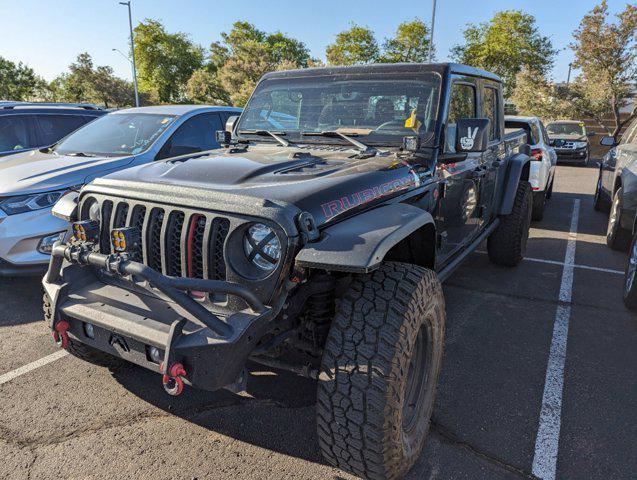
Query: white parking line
{"x":7,"y":377}
{"x":548,"y":434}
{"x":575,"y":265}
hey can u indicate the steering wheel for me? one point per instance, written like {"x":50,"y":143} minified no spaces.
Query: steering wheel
{"x":391,"y":125}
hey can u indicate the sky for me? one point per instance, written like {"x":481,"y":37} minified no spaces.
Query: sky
{"x":48,"y":35}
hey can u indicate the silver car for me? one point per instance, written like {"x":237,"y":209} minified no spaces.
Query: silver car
{"x":31,"y":182}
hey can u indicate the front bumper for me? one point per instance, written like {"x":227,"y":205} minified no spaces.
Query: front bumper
{"x":139,"y":308}
{"x":20,"y":236}
{"x":579,"y":154}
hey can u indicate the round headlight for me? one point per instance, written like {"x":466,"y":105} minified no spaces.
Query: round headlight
{"x":262,"y":246}
{"x":94,"y":211}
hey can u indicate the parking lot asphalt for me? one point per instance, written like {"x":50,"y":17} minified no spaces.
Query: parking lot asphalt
{"x":69,"y":419}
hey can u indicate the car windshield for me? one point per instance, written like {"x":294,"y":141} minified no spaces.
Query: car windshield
{"x":381,"y":107}
{"x":116,"y":134}
{"x":566,"y":129}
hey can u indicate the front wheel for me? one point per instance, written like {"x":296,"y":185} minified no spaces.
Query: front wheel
{"x":507,"y":244}
{"x":379,"y":371}
{"x":617,"y":237}
{"x":630,"y":277}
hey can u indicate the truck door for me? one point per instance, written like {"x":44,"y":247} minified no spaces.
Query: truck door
{"x":493,"y":160}
{"x":456,"y":215}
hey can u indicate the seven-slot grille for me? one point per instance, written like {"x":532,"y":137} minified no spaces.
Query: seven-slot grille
{"x":175,"y":242}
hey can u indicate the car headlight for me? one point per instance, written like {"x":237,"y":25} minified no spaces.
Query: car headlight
{"x":262,"y":246}
{"x":28,"y":203}
{"x":579,"y":144}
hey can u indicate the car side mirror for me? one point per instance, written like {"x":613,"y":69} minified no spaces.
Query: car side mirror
{"x":607,"y":141}
{"x":472,"y":134}
{"x":230,"y":123}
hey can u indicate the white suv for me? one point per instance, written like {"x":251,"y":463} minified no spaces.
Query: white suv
{"x":544,"y":160}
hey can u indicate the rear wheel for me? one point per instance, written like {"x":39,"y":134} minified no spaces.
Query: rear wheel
{"x":379,"y":371}
{"x":507,"y":244}
{"x":617,"y":237}
{"x":539,"y":202}
{"x":549,"y":192}
{"x":630,"y":277}
{"x":77,"y":349}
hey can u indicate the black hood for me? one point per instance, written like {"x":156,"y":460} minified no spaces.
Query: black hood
{"x":325,"y":182}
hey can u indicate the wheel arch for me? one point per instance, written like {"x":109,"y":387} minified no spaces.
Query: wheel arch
{"x":519,"y":169}
{"x":361,"y":243}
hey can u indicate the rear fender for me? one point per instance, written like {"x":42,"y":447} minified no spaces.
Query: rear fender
{"x":359,"y":244}
{"x":518,"y":169}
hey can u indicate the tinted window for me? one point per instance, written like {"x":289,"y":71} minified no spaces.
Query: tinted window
{"x":15,"y":133}
{"x":54,"y":127}
{"x":462,"y":104}
{"x":195,"y":135}
{"x":566,"y":129}
{"x":490,"y":111}
{"x":536,"y":133}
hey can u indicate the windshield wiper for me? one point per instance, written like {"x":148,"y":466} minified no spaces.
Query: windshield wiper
{"x":265,"y":133}
{"x":360,"y":146}
{"x":80,"y":154}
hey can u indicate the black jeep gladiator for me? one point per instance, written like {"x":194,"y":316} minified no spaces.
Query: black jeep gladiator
{"x":315,"y":242}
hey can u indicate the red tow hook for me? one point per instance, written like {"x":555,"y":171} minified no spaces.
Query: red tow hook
{"x":173,"y":379}
{"x":59,"y":334}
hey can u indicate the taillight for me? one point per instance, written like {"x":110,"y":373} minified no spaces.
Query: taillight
{"x":536,"y":153}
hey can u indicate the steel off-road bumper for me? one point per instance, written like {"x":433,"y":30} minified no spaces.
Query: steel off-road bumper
{"x":138,"y":309}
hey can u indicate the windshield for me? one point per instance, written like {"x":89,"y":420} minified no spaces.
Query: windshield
{"x":381,"y":107}
{"x":116,"y":134}
{"x":566,"y":129}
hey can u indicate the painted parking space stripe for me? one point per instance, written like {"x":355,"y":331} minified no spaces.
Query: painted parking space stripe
{"x":548,"y":435}
{"x":7,"y":377}
{"x":574,"y":265}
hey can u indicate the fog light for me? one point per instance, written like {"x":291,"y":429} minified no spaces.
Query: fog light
{"x":127,"y":239}
{"x":46,"y":243}
{"x":89,"y":331}
{"x":86,"y":230}
{"x":155,"y":354}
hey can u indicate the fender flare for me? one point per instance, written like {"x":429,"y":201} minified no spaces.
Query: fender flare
{"x":512,"y":179}
{"x":359,"y":244}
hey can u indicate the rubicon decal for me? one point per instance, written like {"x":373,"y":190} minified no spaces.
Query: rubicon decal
{"x":342,"y":204}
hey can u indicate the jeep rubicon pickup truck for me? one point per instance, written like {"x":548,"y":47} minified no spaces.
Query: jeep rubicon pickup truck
{"x":315,"y":241}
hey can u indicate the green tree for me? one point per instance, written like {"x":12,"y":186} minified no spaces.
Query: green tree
{"x":17,"y":81}
{"x":204,"y":87}
{"x":505,"y":45}
{"x":606,"y":54}
{"x":354,"y":46}
{"x":535,"y":95}
{"x":410,"y":44}
{"x":165,"y":61}
{"x":246,"y":53}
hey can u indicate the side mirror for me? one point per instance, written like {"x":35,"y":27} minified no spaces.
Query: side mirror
{"x":472,"y":134}
{"x":230,"y":123}
{"x":607,"y":141}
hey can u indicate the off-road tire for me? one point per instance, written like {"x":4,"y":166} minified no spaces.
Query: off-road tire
{"x":507,"y":244}
{"x":617,"y":237}
{"x":364,"y":425}
{"x":539,"y":202}
{"x":77,"y":349}
{"x":630,"y":277}
{"x":600,"y":201}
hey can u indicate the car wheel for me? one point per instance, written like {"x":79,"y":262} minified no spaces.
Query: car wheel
{"x":600,"y":202}
{"x":617,"y":238}
{"x":507,"y":244}
{"x":630,"y":277}
{"x":539,"y":202}
{"x":379,"y":371}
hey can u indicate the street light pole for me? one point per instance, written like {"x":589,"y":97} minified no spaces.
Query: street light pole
{"x":132,"y":51}
{"x":431,"y":36}
{"x":568,"y":78}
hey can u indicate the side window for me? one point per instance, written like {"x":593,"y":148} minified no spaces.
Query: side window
{"x":197,"y":134}
{"x":537,"y":136}
{"x":545,"y":135}
{"x":55,"y":127}
{"x":16,"y":133}
{"x":462,"y":104}
{"x":490,"y":111}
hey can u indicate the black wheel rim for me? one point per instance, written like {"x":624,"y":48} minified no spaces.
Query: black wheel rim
{"x":631,"y":270}
{"x":417,"y":378}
